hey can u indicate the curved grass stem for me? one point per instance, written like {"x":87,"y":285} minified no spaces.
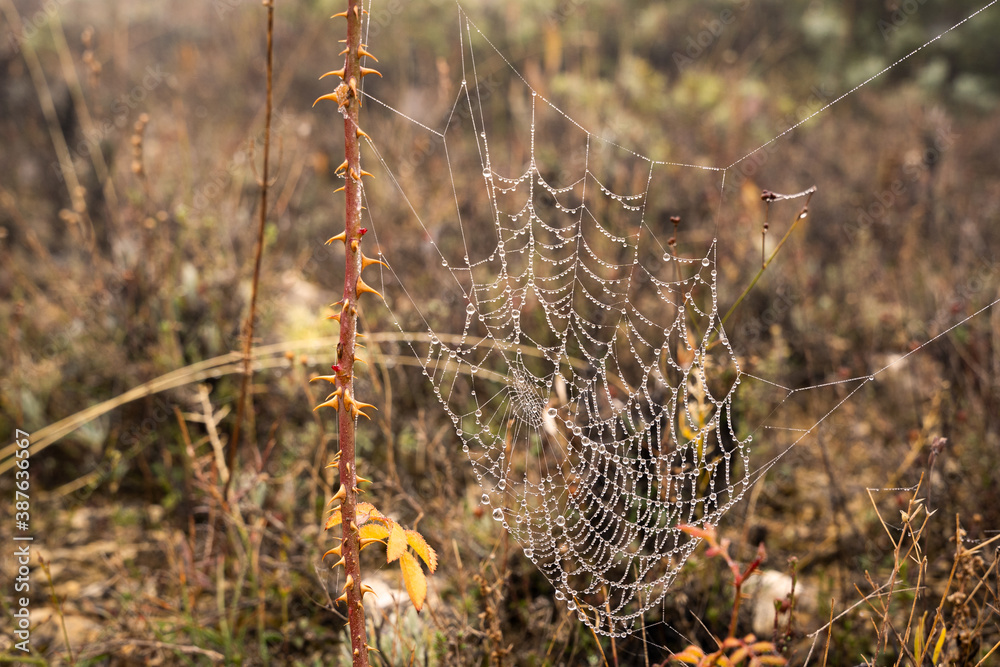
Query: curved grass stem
{"x":769,"y":197}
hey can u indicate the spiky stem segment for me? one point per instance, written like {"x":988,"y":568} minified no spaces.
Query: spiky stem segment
{"x":348,"y":329}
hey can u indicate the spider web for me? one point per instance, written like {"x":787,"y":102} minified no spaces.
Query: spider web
{"x":575,"y":340}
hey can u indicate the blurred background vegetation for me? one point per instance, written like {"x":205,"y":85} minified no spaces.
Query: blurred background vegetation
{"x":131,"y":259}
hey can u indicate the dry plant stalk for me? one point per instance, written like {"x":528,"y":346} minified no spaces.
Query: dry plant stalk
{"x":955,"y":631}
{"x":258,"y":253}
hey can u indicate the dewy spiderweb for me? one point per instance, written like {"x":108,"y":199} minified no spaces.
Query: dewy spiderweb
{"x":582,"y":360}
{"x":579,"y":388}
{"x":590,"y":381}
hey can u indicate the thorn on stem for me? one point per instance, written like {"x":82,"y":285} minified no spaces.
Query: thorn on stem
{"x":368,"y":261}
{"x":363,"y":287}
{"x":338,"y":72}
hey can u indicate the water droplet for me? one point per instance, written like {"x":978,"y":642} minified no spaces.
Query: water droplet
{"x":560,"y":595}
{"x":529,"y":552}
{"x":487,"y":173}
{"x":551,"y":412}
{"x":465,"y":448}
{"x":705,"y":262}
{"x":498,"y":514}
{"x":470,"y":309}
{"x":571,"y":606}
{"x":486,"y":499}
{"x":502,"y":484}
{"x":444,"y":262}
{"x":560,"y":521}
{"x":459,"y":433}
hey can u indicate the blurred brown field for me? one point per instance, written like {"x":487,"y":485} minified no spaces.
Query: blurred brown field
{"x":132,"y":140}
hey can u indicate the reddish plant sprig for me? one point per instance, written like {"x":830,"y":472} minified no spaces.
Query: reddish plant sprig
{"x":720,"y":548}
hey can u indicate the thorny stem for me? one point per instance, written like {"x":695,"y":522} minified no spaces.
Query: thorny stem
{"x":348,"y":322}
{"x":248,"y":341}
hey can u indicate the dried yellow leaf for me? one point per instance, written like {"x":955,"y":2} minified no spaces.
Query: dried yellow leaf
{"x":422,"y":549}
{"x":396,"y":546}
{"x":413,"y":577}
{"x":334,"y":519}
{"x":373,"y":531}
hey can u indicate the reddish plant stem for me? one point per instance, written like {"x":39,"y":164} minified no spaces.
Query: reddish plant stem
{"x":346,"y":347}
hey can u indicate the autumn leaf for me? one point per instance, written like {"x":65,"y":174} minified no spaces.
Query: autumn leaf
{"x":422,"y":549}
{"x":413,"y":577}
{"x":334,"y":519}
{"x":396,"y":546}
{"x":373,"y":530}
{"x":692,"y":655}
